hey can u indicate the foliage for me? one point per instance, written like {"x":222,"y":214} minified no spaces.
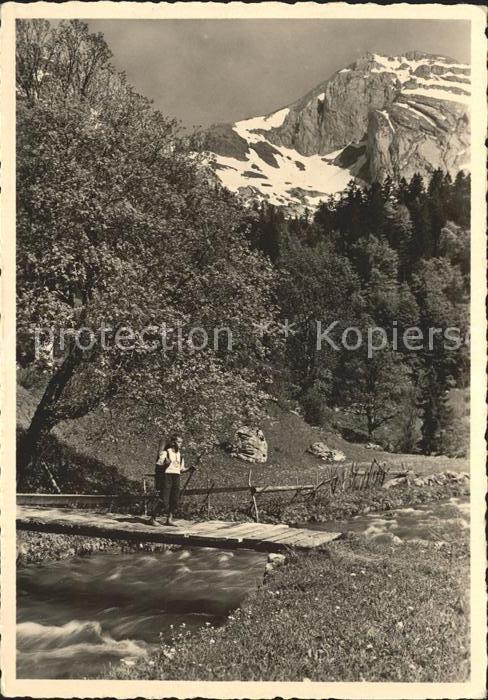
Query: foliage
{"x":314,"y":405}
{"x":316,"y":286}
{"x":394,"y":256}
{"x":118,"y":226}
{"x":373,"y":387}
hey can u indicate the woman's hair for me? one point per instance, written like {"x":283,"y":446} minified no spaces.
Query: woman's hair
{"x":172,"y":440}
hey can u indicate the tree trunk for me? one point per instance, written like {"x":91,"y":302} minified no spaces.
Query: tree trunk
{"x":371,"y":424}
{"x":29,"y":449}
{"x":45,"y":417}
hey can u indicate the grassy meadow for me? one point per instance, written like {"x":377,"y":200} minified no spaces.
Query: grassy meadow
{"x":362,"y":612}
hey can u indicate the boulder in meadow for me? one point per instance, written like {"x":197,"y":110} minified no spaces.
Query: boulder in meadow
{"x":327,"y":454}
{"x":250,"y":445}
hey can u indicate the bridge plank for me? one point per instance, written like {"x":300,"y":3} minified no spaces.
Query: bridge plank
{"x":216,"y":533}
{"x":203,"y":527}
{"x":304,"y":540}
{"x":246,"y":529}
{"x":290,"y":536}
{"x":234,"y":529}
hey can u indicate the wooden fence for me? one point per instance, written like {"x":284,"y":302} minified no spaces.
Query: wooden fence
{"x":355,"y":476}
{"x":340,"y":478}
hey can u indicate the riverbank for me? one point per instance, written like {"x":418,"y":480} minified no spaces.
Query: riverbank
{"x":360,"y":613}
{"x":33,"y":547}
{"x":40,"y":547}
{"x":325,"y":507}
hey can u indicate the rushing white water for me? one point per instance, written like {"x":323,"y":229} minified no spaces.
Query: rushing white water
{"x":431,"y":522}
{"x":78,"y":615}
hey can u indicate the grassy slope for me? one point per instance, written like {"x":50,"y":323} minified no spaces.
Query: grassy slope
{"x":364,"y":613}
{"x":288,"y":436}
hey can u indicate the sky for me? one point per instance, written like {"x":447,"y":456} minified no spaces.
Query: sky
{"x":210,"y":71}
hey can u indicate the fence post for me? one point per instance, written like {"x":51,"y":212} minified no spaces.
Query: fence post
{"x":368,"y":474}
{"x":371,"y":473}
{"x":145,"y":495}
{"x":385,"y":473}
{"x":334,"y":482}
{"x":378,"y":475}
{"x":208,"y":502}
{"x":253,"y":496}
{"x":353,"y":476}
{"x":256,"y":511}
{"x":364,"y":477}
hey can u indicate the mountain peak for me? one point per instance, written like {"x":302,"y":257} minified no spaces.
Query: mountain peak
{"x":409,"y":56}
{"x":379,"y":116}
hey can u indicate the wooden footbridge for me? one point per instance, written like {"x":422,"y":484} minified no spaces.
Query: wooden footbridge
{"x":211,"y":533}
{"x":58,"y":513}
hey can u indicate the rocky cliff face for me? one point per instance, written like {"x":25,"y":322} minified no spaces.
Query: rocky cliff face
{"x":381,"y":116}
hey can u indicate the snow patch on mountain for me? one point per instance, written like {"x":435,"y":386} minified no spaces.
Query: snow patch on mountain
{"x":246,"y":127}
{"x":297,"y":179}
{"x":410,"y":106}
{"x":387,"y":117}
{"x":380,"y":116}
{"x":438,"y":94}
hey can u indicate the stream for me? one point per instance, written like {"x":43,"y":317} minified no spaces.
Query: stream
{"x":427,"y":522}
{"x":78,"y":615}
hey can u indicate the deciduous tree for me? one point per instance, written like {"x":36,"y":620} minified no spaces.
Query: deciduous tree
{"x":118,"y":227}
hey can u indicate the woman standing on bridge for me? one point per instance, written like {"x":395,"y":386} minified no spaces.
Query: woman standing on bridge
{"x":169,"y":466}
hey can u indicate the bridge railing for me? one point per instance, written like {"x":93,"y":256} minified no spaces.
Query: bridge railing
{"x":348,"y":477}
